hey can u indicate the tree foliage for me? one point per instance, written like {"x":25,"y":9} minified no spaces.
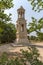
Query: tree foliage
{"x":27,"y":57}
{"x":37,"y":5}
{"x":36,"y":26}
{"x":7,"y":30}
{"x":5,"y":4}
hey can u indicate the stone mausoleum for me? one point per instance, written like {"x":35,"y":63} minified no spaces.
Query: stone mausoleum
{"x":21,"y":34}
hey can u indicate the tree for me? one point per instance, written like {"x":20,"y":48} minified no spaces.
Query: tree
{"x":27,"y":57}
{"x":37,"y":5}
{"x":36,"y":26}
{"x":31,"y":55}
{"x":7,"y":32}
{"x":5,"y":4}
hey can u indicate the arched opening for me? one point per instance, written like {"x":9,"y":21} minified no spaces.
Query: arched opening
{"x":22,"y":27}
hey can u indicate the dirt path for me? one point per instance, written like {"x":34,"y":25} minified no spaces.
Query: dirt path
{"x":10,"y":49}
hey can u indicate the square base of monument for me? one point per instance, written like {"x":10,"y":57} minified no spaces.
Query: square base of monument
{"x":22,"y":41}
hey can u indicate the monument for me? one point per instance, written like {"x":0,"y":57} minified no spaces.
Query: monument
{"x":21,"y":34}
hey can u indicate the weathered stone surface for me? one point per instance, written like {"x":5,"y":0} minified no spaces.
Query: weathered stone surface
{"x":21,"y":33}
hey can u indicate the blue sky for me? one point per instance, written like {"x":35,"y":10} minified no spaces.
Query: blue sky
{"x":28,"y":13}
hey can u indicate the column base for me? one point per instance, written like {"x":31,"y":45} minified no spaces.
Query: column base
{"x":22,"y":40}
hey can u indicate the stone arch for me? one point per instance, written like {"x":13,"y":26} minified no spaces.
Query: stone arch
{"x":22,"y":27}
